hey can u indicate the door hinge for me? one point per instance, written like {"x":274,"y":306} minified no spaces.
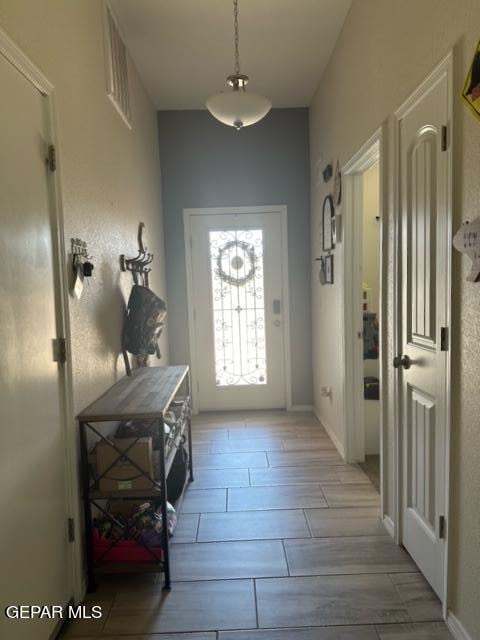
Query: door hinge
{"x":442,"y":527}
{"x":444,"y":339}
{"x":444,"y":137}
{"x":52,"y":158}
{"x":71,"y":529}
{"x":59,"y":350}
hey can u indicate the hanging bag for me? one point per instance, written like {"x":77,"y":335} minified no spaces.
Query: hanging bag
{"x":144,"y":322}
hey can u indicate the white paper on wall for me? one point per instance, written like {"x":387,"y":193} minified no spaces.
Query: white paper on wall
{"x":467,"y":241}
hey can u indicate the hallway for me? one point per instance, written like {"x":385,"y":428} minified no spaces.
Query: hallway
{"x":277,"y":539}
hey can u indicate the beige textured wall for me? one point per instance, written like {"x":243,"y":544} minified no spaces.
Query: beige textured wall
{"x":385,"y":50}
{"x":110,"y":175}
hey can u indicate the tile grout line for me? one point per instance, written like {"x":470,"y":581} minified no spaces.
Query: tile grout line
{"x":308,"y":523}
{"x":286,"y":559}
{"x":198,"y":527}
{"x":255,"y":599}
{"x":303,"y":576}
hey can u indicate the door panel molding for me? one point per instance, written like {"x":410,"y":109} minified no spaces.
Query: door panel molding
{"x":188,"y":215}
{"x":443,"y":72}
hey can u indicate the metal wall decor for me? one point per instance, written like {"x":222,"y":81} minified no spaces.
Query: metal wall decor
{"x":327,"y":172}
{"x":238,"y":306}
{"x":328,"y":224}
{"x":138,"y":266}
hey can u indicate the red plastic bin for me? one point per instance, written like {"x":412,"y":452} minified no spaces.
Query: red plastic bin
{"x":123,"y":551}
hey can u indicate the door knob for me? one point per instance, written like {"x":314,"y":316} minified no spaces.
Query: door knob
{"x":402,"y":361}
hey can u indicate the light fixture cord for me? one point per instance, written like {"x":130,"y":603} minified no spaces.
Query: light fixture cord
{"x":235,"y":26}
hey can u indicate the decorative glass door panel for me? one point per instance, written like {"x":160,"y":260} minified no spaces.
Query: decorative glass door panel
{"x":238,"y":303}
{"x":238,"y":321}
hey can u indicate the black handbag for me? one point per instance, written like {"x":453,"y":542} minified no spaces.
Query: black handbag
{"x":144,"y":321}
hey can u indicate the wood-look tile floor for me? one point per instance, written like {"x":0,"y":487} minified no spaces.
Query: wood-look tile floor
{"x":277,"y":539}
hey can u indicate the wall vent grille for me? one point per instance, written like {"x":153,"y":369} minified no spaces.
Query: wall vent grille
{"x":117,"y":67}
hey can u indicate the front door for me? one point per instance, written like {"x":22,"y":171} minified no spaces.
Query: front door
{"x":34,"y":554}
{"x":238,"y":312}
{"x":422,"y":362}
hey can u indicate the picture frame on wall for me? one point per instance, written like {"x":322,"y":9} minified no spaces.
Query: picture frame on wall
{"x":328,"y":262}
{"x":328,"y":224}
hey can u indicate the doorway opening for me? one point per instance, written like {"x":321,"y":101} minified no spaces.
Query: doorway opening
{"x":364,"y":310}
{"x":370,"y":316}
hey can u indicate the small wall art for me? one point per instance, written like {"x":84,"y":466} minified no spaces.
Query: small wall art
{"x":328,"y":224}
{"x":321,"y":272}
{"x":329,"y":269}
{"x":471,"y":89}
{"x":337,"y":185}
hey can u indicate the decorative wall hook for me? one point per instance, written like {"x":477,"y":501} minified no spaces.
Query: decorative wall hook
{"x":138,"y":265}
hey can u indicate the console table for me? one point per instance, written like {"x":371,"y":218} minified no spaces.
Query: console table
{"x":146,"y":395}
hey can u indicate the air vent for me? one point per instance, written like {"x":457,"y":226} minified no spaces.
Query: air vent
{"x":117,"y":67}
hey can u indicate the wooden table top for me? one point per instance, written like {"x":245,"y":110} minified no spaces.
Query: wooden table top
{"x":145,"y":394}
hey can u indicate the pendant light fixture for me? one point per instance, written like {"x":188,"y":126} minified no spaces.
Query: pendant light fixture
{"x":238,"y":108}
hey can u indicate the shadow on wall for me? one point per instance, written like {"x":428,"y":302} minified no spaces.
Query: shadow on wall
{"x":112,"y":304}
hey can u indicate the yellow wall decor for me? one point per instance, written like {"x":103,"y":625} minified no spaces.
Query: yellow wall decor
{"x":471,"y":89}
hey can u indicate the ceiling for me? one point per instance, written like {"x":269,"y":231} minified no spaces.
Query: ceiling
{"x":183,"y":49}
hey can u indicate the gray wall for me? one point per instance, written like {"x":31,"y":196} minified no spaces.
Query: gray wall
{"x":206,"y":164}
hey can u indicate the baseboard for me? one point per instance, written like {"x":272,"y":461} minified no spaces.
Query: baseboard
{"x":389,"y":526}
{"x":331,"y":433}
{"x":302,"y":408}
{"x":456,"y":627}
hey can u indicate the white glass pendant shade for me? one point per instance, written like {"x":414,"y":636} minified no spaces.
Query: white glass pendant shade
{"x":238,"y":108}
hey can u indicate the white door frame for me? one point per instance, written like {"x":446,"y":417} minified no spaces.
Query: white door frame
{"x":443,"y":69}
{"x":371,"y":151}
{"x":280,"y":210}
{"x":28,"y":69}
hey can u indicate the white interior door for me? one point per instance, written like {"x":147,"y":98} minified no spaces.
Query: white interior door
{"x":238,"y":314}
{"x":33,"y":536}
{"x":422,"y":363}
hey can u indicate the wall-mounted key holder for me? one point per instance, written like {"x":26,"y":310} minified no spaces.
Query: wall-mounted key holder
{"x":467,"y":241}
{"x":81,"y":265}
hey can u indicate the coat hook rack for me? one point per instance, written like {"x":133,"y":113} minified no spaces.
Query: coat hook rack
{"x":138,"y":266}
